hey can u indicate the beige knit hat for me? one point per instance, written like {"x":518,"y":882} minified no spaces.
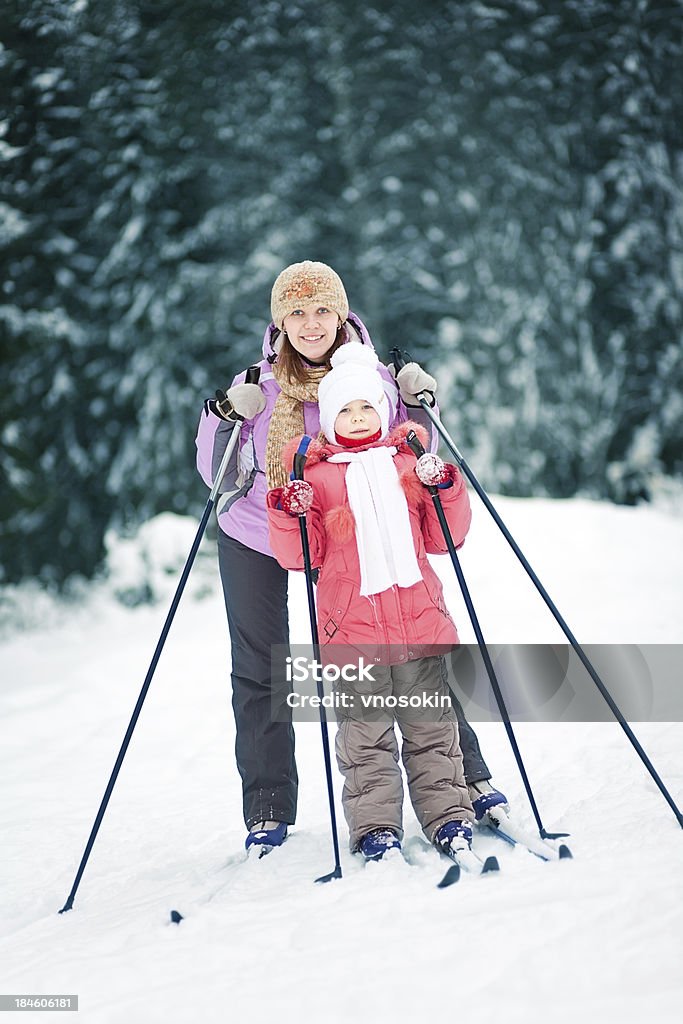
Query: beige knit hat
{"x":307,"y":282}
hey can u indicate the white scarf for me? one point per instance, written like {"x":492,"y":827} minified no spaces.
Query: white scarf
{"x":384,"y":539}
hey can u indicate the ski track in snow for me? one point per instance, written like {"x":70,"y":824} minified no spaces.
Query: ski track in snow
{"x":597,"y":939}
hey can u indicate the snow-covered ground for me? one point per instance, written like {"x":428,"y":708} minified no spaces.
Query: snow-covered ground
{"x":598,"y":938}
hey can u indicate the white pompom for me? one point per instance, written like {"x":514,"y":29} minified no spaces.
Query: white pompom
{"x":355,"y":353}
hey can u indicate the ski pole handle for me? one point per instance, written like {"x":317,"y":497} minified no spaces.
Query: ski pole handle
{"x":224,"y":404}
{"x":299,"y":462}
{"x":252,"y":377}
{"x":399,"y":359}
{"x":415,"y":444}
{"x":253,"y":374}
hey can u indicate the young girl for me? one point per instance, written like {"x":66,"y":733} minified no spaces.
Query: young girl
{"x":371,"y":523}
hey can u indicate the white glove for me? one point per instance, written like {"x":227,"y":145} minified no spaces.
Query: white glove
{"x":242,"y":402}
{"x":412,"y":381}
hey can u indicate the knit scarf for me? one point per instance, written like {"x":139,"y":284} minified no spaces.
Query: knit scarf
{"x":287,"y":420}
{"x":384,"y":539}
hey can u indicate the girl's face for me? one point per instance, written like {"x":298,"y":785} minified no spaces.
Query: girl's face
{"x":312,"y":330}
{"x":357,"y":419}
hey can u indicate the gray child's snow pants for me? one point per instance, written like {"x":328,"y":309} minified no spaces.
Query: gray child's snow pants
{"x":368,"y":755}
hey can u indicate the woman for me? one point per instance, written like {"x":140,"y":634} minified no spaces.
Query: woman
{"x":310,"y":320}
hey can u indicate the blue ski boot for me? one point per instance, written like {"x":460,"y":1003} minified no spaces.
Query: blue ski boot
{"x":266,"y":835}
{"x":379,"y":841}
{"x":454,"y":837}
{"x":484,"y":797}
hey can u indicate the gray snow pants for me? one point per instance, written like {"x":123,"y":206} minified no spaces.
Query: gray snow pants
{"x":368,"y":755}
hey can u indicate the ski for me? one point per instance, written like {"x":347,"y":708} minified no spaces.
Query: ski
{"x":468,"y":861}
{"x":252,"y":855}
{"x":502,"y":825}
{"x":462,"y":861}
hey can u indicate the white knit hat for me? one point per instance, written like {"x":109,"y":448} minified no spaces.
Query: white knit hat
{"x":353,"y":375}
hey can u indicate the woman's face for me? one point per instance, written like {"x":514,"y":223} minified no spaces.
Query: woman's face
{"x":357,"y":419}
{"x":312,"y":330}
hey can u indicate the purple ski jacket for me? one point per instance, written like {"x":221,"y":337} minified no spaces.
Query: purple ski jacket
{"x":241,"y":507}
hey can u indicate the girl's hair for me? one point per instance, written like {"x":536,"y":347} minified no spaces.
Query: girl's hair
{"x":294,"y":366}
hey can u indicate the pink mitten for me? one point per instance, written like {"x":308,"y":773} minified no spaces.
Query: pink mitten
{"x":431,"y":470}
{"x":297,"y":497}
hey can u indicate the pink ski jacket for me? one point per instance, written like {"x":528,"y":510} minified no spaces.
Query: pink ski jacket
{"x":241,"y":507}
{"x":410,"y":620}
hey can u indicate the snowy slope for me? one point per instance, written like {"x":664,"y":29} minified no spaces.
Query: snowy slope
{"x":599,"y":938}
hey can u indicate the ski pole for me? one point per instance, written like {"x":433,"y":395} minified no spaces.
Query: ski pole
{"x":298,"y":474}
{"x":252,"y":377}
{"x":416,"y":446}
{"x":399,"y":359}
